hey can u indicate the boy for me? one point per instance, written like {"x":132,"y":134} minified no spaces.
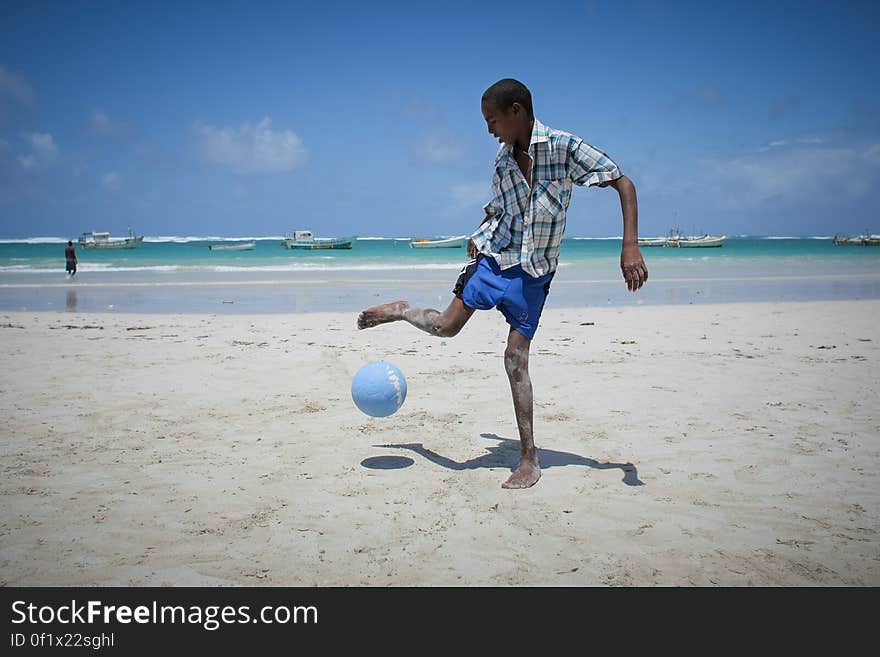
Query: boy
{"x":516,"y":249}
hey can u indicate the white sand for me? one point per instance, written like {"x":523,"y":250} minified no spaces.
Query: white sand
{"x":188,"y":450}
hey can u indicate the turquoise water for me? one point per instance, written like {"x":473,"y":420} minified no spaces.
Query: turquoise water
{"x":183,"y":275}
{"x":193,"y":256}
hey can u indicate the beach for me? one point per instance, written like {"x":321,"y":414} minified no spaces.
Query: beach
{"x":702,"y":444}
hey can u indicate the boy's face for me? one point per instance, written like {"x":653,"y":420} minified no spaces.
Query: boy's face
{"x":504,"y":125}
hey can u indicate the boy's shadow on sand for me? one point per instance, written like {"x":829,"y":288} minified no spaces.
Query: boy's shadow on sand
{"x":506,"y":453}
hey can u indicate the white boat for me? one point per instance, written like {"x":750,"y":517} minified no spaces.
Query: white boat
{"x":446,"y":243}
{"x":244,"y":246}
{"x":703,"y":241}
{"x":101,"y":240}
{"x":304,"y":239}
{"x":866,"y":239}
{"x":675,"y":238}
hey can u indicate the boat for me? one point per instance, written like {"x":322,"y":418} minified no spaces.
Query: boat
{"x":673,"y":237}
{"x":676,"y":238}
{"x":446,"y":243}
{"x":865,"y":239}
{"x":101,"y":240}
{"x":703,"y":241}
{"x":244,"y":246}
{"x":304,"y":239}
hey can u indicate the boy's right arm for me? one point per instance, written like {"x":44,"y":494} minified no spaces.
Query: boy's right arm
{"x":491,"y":208}
{"x":471,"y":248}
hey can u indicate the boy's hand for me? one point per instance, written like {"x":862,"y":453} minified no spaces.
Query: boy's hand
{"x":635,"y":272}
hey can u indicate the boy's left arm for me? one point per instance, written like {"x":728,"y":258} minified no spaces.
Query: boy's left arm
{"x":588,"y":166}
{"x":635,"y":272}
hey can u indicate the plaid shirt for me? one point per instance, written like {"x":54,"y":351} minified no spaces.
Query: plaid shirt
{"x":526,"y":225}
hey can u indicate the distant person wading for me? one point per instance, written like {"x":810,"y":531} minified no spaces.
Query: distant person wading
{"x":70,"y":256}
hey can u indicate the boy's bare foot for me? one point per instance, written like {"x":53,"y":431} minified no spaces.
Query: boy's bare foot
{"x":526,"y":474}
{"x":381,"y":314}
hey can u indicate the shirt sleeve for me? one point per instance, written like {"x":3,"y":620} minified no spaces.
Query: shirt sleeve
{"x":588,"y":166}
{"x":495,"y":206}
{"x":494,"y":210}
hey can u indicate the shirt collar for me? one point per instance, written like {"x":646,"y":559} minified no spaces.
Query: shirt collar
{"x":540,"y":135}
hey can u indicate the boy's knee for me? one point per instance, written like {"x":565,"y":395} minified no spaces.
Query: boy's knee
{"x":446,"y":326}
{"x":446,"y":330}
{"x":515,"y":359}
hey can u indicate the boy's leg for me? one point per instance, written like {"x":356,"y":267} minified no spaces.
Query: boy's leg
{"x":516,"y":362}
{"x":445,"y":324}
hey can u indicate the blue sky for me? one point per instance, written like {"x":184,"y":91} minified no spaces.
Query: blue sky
{"x":364,"y":118}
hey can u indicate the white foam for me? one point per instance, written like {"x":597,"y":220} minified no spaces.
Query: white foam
{"x":100,"y":268}
{"x":37,"y":240}
{"x":784,"y":237}
{"x":178,"y":239}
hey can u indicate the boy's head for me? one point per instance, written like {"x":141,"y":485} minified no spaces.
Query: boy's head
{"x":69,"y":243}
{"x":507,"y":108}
{"x":504,"y":93}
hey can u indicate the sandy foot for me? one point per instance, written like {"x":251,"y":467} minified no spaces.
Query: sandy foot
{"x":526,"y":475}
{"x":381,"y":314}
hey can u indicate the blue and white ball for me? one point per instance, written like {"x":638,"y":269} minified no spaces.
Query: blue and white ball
{"x":378,"y":389}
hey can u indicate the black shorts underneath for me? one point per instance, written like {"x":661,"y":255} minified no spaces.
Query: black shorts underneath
{"x":466,"y":272}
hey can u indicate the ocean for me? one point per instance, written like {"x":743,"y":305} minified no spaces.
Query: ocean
{"x":182,"y":275}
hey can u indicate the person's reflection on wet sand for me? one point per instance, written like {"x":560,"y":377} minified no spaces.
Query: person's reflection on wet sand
{"x":71,"y":301}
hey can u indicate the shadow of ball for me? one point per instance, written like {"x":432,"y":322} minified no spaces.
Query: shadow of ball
{"x":387,"y":462}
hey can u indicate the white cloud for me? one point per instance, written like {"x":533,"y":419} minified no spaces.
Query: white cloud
{"x":16,"y":87}
{"x":794,"y":172}
{"x":799,"y":141}
{"x":470,"y":195}
{"x":28,"y":162}
{"x":251,"y":149}
{"x":438,"y":148}
{"x":43,"y":151}
{"x":44,"y":146}
{"x":100,"y":124}
{"x":872,"y":154}
{"x":419,"y":107}
{"x":432,"y":139}
{"x":806,"y":174}
{"x":110,"y":181}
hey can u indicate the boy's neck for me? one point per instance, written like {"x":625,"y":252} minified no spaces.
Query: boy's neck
{"x":524,"y":138}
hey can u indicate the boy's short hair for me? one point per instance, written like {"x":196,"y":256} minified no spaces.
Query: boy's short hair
{"x":508,"y":91}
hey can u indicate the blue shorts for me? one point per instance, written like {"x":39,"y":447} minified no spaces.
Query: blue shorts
{"x":520,"y":297}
